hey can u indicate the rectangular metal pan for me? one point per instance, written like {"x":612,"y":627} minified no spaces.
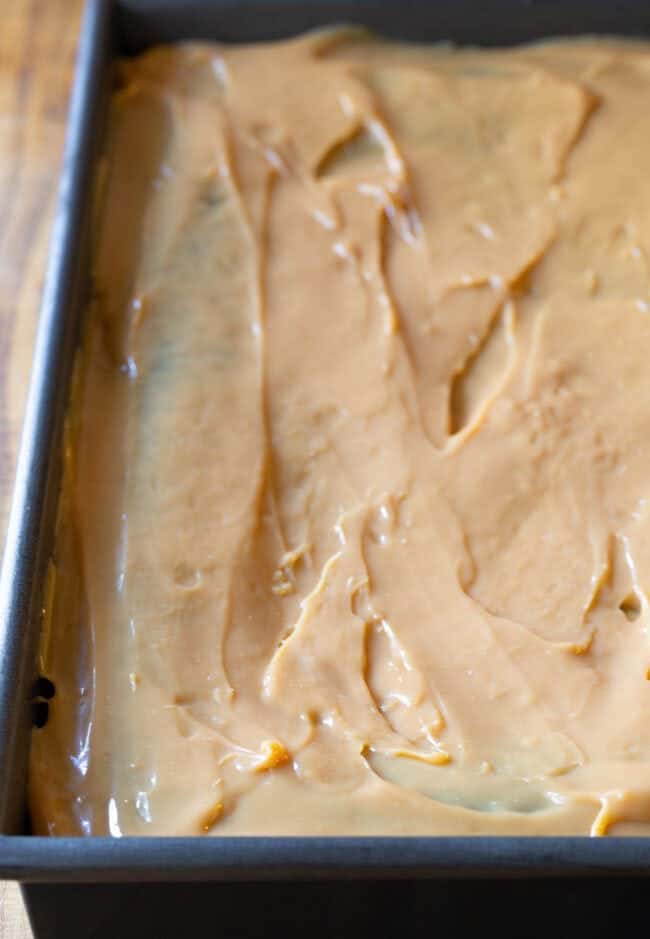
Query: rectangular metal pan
{"x":248,"y":886}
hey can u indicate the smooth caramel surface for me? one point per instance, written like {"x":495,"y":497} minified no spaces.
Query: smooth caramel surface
{"x":355,"y":530}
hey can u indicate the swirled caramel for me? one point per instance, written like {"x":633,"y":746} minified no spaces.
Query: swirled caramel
{"x":355,"y":524}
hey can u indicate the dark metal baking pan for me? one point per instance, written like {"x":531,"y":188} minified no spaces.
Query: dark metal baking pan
{"x":249,"y":886}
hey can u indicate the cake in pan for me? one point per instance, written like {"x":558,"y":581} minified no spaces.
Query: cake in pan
{"x":354,"y":533}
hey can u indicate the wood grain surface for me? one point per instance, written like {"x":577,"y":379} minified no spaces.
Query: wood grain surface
{"x":38,"y":40}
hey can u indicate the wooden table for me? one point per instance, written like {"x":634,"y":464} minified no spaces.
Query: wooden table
{"x":38,"y":41}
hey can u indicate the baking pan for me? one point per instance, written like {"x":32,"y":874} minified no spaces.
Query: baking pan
{"x":253,"y":886}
